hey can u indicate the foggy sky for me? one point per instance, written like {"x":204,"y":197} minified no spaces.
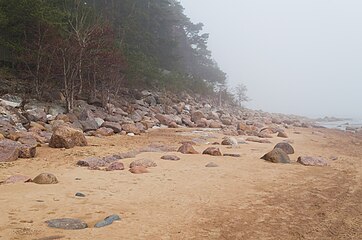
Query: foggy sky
{"x":294,"y":56}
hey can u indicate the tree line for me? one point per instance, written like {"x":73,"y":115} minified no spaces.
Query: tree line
{"x":93,"y":48}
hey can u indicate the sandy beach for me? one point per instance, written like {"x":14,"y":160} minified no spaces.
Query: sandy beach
{"x":243,"y":198}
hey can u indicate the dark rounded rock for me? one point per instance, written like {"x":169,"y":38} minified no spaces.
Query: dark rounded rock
{"x":67,"y":224}
{"x":79,"y":194}
{"x":276,"y":156}
{"x":286,"y":147}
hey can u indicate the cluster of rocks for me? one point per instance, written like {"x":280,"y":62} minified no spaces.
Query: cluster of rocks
{"x":43,"y":178}
{"x":281,"y":152}
{"x":29,"y":124}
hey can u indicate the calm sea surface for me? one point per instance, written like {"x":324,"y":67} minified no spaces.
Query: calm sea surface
{"x":352,"y":123}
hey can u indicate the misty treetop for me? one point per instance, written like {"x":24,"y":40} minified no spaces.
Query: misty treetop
{"x":90,"y":47}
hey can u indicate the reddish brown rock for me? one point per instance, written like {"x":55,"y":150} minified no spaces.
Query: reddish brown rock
{"x":173,"y":125}
{"x":8,"y":152}
{"x":187,"y":148}
{"x":17,"y":179}
{"x":197,"y":116}
{"x":29,"y":140}
{"x":215,"y":124}
{"x":67,"y":137}
{"x":138,"y":170}
{"x":131,"y":128}
{"x":164,"y":119}
{"x":12,"y":147}
{"x":45,"y":178}
{"x":103,"y":131}
{"x":276,"y":156}
{"x":312,"y":161}
{"x":242,"y":127}
{"x":115,"y":166}
{"x":213,"y":151}
{"x":63,"y":117}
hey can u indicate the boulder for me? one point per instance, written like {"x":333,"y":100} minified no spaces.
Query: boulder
{"x":230,"y":141}
{"x":143,"y":162}
{"x":312,"y":161}
{"x":242,"y":127}
{"x":67,"y":224}
{"x":36,"y":114}
{"x":115,"y":166}
{"x":282,"y":135}
{"x":226,"y":120}
{"x":187,"y":148}
{"x":213,"y":151}
{"x":45,"y":178}
{"x":8,"y":152}
{"x":89,"y":125}
{"x":67,"y":137}
{"x":164,"y":119}
{"x":138,"y":170}
{"x":286,"y":147}
{"x":114,"y":118}
{"x":116,"y":127}
{"x":187,"y":121}
{"x":24,"y":150}
{"x":150,"y":100}
{"x":16,"y":179}
{"x":131,"y":128}
{"x":170,"y":158}
{"x":276,"y":156}
{"x":197,"y":116}
{"x":215,"y":124}
{"x":103,"y":131}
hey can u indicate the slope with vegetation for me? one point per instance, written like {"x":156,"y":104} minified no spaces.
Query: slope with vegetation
{"x":90,"y":49}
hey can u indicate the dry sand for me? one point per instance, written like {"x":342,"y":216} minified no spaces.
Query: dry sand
{"x":244,"y":198}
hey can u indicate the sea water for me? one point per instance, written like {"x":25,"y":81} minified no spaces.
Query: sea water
{"x":343,"y":125}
